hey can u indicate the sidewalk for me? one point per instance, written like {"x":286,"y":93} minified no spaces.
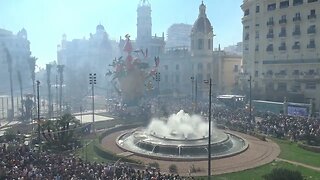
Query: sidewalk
{"x":300,"y":164}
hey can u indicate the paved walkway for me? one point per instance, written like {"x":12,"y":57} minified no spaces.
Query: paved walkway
{"x":300,"y":164}
{"x":258,"y":153}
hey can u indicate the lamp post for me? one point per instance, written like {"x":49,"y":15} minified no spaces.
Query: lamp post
{"x":38,"y":111}
{"x":192,"y":89}
{"x":158,"y":82}
{"x":93,"y":81}
{"x":209,"y":138}
{"x":250,"y":98}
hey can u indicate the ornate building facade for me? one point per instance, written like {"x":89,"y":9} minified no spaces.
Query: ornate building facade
{"x":183,"y":69}
{"x":18,"y":48}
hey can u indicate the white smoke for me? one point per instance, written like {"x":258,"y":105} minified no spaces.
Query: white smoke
{"x":180,"y":125}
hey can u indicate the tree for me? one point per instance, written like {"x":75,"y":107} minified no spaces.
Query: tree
{"x":283,"y":174}
{"x":61,"y":133}
{"x":32,"y":66}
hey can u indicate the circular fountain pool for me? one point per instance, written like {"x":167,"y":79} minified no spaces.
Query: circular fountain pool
{"x":181,"y":136}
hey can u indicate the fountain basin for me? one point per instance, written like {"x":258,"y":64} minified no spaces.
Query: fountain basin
{"x":223,"y":144}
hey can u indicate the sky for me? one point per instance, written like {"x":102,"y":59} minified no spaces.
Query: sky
{"x":46,"y":20}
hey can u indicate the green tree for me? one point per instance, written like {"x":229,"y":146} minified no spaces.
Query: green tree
{"x":61,"y":133}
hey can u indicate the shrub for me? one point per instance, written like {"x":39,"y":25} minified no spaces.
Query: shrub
{"x":283,"y":174}
{"x":173,"y":168}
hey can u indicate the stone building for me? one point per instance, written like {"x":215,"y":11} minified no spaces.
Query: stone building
{"x":281,"y":49}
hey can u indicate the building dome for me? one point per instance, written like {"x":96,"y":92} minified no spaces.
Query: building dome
{"x":99,"y":28}
{"x":202,"y":24}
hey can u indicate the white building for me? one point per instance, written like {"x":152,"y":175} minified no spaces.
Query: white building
{"x":18,"y":47}
{"x":281,"y":48}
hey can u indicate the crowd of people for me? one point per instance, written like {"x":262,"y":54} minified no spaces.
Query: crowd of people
{"x":23,"y":163}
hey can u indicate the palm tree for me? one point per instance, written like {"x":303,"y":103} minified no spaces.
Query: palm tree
{"x":21,"y":96}
{"x":9,"y":61}
{"x":60,"y":71}
{"x":60,"y":133}
{"x":32,"y":66}
{"x":48,"y":68}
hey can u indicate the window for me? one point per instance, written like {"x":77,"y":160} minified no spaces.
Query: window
{"x":312,"y":29}
{"x":166,"y":67}
{"x":295,"y":72}
{"x":257,"y":9}
{"x":311,"y":1}
{"x":296,"y":31}
{"x":272,"y":7}
{"x":283,"y":47}
{"x":283,"y":19}
{"x":282,"y":86}
{"x":311,"y":44}
{"x":209,"y":44}
{"x":296,"y":45}
{"x":270,"y":72}
{"x":297,"y":17}
{"x":257,"y":48}
{"x":246,"y":12}
{"x":256,"y":73}
{"x":270,"y":48}
{"x":177,"y":66}
{"x":312,"y":14}
{"x":284,"y":4}
{"x":200,"y":43}
{"x":270,"y":33}
{"x":283,"y":32}
{"x":311,"y":85}
{"x":297,"y":2}
{"x":270,"y":22}
{"x":246,"y":36}
{"x":257,"y":34}
{"x":177,"y":79}
{"x":236,"y":68}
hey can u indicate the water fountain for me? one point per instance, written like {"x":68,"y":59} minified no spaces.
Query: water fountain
{"x":180,"y":136}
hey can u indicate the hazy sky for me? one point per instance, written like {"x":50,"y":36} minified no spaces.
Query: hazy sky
{"x":46,"y":20}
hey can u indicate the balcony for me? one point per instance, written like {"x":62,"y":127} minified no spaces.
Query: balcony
{"x":296,"y":47}
{"x":311,"y":30}
{"x":280,"y":75}
{"x":270,"y":36}
{"x":282,"y":48}
{"x":311,"y":46}
{"x":269,"y":49}
{"x":312,"y":16}
{"x":270,"y":23}
{"x":297,"y":19}
{"x":283,"y":34}
{"x":296,"y":33}
{"x":282,"y":21}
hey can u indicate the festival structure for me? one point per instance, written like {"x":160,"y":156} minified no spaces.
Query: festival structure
{"x":132,"y":77}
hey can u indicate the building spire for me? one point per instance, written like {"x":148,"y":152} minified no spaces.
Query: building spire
{"x":202,"y":10}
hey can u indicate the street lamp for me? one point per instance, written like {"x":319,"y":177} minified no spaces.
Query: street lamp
{"x":92,"y":81}
{"x":158,"y":82}
{"x":250,"y":98}
{"x":209,"y":138}
{"x":192,"y":89}
{"x":38,"y":111}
